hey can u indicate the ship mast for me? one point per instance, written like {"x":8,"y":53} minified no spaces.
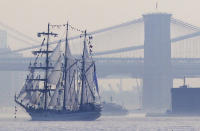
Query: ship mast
{"x":65,"y":68}
{"x":46,"y":73}
{"x":83,"y":68}
{"x":46,"y":90}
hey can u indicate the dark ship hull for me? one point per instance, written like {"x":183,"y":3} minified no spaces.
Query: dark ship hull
{"x":88,"y":112}
{"x":52,"y":115}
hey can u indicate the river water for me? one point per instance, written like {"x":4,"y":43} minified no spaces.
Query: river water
{"x":131,"y":122}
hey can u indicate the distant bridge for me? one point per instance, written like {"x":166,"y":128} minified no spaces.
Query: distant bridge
{"x":184,"y":38}
{"x":128,"y":67}
{"x":156,"y":48}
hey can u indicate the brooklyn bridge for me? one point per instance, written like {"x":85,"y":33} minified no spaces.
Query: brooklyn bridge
{"x":156,"y":48}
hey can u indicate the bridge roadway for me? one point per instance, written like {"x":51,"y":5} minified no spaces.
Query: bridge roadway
{"x":113,"y":67}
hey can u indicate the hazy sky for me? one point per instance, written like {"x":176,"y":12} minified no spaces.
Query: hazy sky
{"x":31,"y":16}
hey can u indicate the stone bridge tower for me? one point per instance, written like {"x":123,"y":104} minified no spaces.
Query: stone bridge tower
{"x":157,"y":80}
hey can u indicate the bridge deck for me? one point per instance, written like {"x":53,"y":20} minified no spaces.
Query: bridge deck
{"x":132,"y":67}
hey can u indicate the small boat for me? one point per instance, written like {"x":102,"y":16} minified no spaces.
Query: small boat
{"x":113,"y":109}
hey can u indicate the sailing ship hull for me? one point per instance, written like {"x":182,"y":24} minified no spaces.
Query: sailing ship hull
{"x":63,"y":115}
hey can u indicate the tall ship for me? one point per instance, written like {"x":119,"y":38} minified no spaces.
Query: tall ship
{"x":60,"y":86}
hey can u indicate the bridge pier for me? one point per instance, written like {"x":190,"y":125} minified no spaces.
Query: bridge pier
{"x":10,"y":83}
{"x":157,"y":80}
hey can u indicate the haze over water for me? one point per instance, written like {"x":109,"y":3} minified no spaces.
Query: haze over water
{"x":32,"y":16}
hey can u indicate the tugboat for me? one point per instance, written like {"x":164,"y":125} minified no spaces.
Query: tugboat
{"x":60,"y":87}
{"x":113,"y":109}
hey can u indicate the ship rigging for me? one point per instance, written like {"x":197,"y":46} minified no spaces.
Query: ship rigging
{"x":59,"y":86}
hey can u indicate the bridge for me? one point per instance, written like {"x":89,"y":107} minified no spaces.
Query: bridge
{"x":111,"y":67}
{"x":156,"y":48}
